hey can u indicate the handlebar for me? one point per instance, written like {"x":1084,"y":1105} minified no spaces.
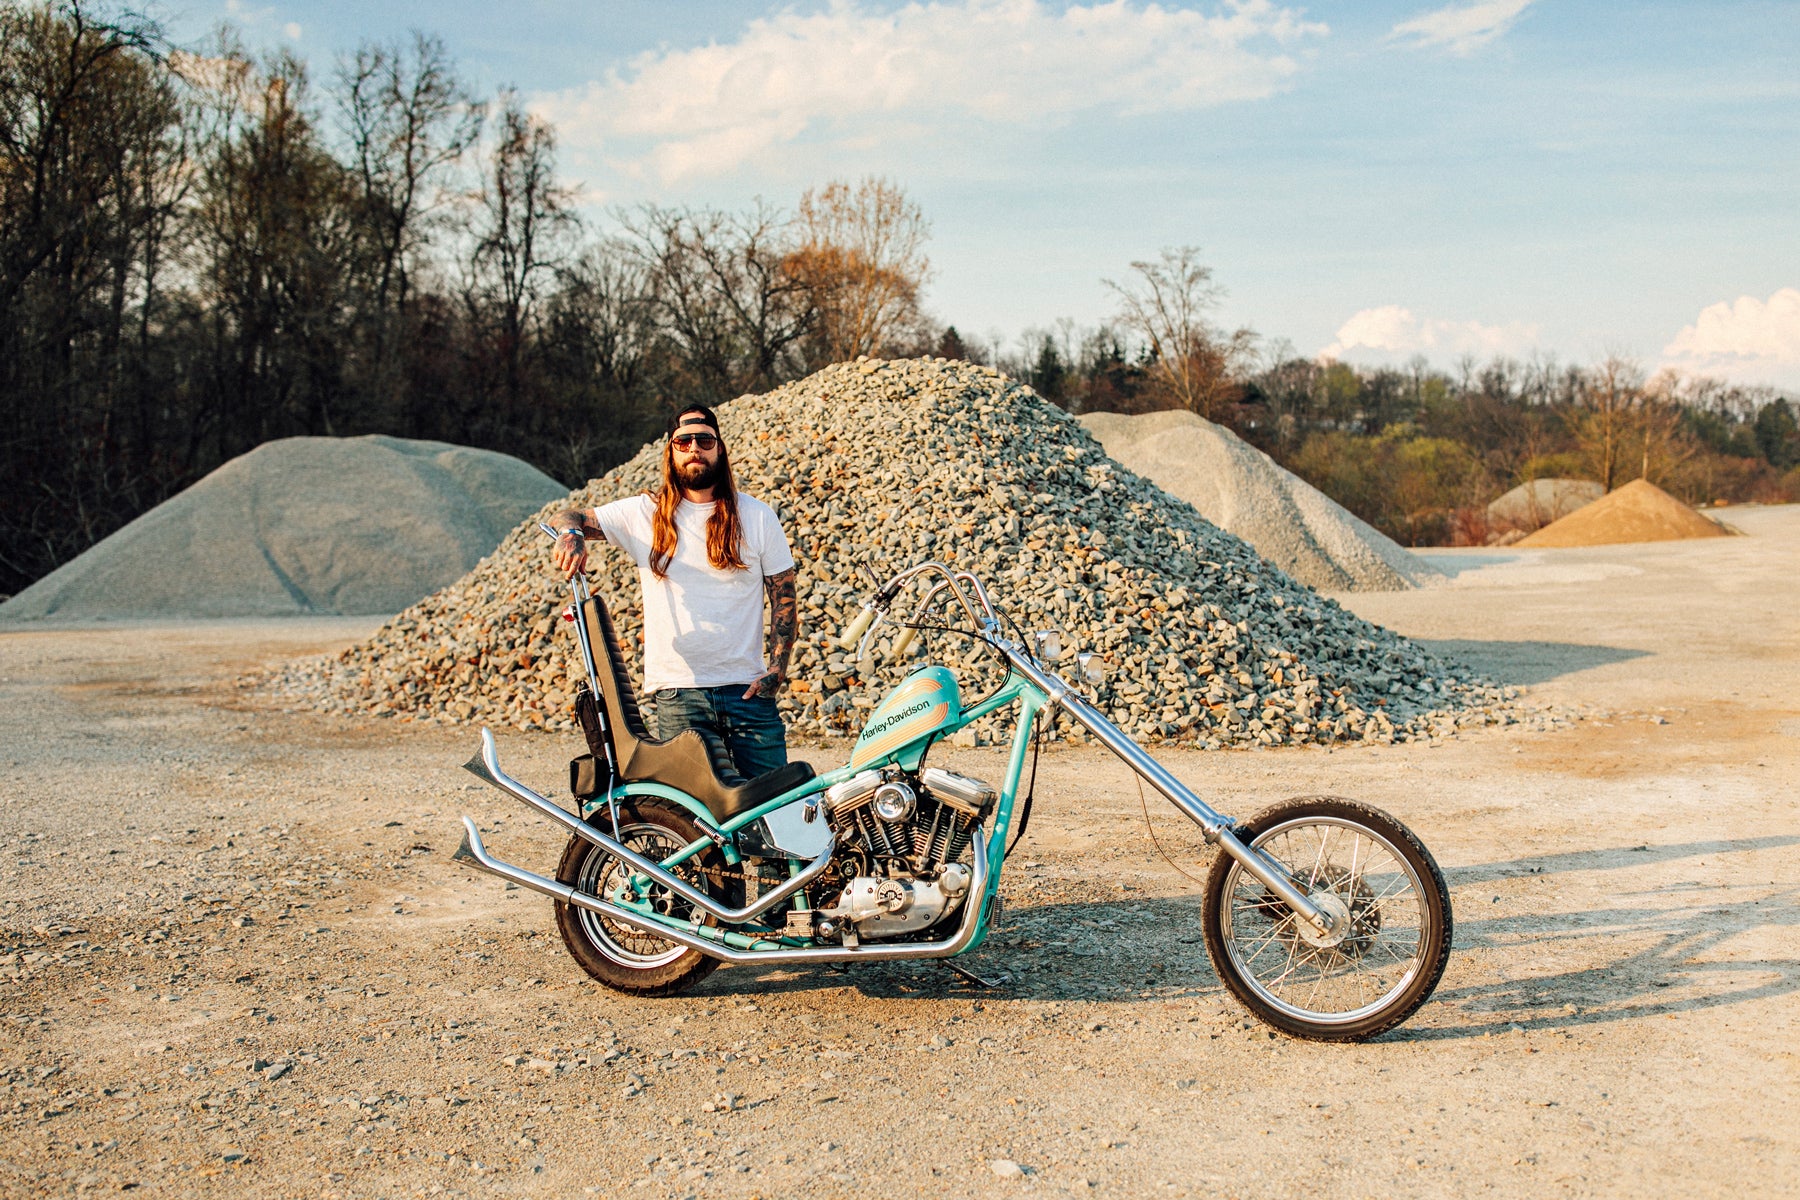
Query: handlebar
{"x":986,"y":620}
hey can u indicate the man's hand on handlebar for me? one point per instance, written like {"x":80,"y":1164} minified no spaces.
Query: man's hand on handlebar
{"x":570,"y":554}
{"x":572,"y":529}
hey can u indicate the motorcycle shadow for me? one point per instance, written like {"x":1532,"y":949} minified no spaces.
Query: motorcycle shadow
{"x":1139,"y":950}
{"x":1680,"y":949}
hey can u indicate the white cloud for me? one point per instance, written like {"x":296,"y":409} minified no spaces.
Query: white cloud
{"x":1391,"y":334}
{"x":261,"y":18}
{"x":1461,"y":29}
{"x":1746,"y":340}
{"x":855,"y":72}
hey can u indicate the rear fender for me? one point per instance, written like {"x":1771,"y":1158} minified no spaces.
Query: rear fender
{"x":594,"y":810}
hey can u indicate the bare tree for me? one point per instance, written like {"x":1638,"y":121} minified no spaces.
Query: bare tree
{"x":523,"y":217}
{"x":861,"y":255}
{"x":407,"y":120}
{"x":1603,"y":419}
{"x":1193,"y":364}
{"x":733,"y":312}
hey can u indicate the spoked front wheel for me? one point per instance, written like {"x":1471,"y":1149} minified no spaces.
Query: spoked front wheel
{"x":1391,"y":935}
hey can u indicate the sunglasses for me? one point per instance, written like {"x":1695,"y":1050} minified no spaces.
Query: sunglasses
{"x":703,"y":441}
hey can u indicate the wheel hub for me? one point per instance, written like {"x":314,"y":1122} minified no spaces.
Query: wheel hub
{"x":1334,"y":908}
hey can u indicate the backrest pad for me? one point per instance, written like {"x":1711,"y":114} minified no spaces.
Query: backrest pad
{"x":626,"y":718}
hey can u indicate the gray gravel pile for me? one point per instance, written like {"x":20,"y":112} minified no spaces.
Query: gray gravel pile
{"x":880,"y":465}
{"x":1245,"y":492}
{"x":301,"y":526}
{"x":1537,"y":502}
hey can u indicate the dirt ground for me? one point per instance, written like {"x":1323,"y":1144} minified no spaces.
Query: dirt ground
{"x":236,"y":960}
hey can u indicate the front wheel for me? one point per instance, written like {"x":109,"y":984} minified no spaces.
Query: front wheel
{"x":620,"y":955}
{"x":1391,"y":937}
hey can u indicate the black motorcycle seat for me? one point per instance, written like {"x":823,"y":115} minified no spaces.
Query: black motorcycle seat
{"x":687,"y":762}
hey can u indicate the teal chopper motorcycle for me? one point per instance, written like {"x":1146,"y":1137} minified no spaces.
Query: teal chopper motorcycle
{"x":1324,"y":916}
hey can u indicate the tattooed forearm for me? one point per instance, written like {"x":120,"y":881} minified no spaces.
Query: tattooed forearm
{"x":784,"y":628}
{"x":577,"y":518}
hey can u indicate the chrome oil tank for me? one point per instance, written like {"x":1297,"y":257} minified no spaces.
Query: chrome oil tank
{"x":925,"y":702}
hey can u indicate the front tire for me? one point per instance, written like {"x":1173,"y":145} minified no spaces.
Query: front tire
{"x":622,"y":956}
{"x":1357,"y":861}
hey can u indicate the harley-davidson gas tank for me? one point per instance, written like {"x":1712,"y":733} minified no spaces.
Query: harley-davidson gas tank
{"x":925,"y":702}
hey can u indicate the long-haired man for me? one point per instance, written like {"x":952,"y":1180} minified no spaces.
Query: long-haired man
{"x":707,"y":555}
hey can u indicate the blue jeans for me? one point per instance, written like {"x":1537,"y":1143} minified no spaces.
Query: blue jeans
{"x":750,"y":730}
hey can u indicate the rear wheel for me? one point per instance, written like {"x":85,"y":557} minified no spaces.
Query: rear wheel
{"x":619,"y":954}
{"x":1392,"y":935}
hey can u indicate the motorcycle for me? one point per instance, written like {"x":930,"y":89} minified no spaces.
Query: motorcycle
{"x":1325,"y":917}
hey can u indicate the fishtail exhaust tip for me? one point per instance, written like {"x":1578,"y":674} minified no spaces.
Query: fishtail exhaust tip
{"x":471,"y":849}
{"x":478,"y":766}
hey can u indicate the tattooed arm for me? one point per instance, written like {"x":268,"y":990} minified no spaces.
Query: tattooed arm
{"x":784,"y":629}
{"x":570,"y":553}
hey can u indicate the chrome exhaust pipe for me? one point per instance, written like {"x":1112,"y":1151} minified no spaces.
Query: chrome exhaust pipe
{"x":471,"y":851}
{"x":486,"y":767}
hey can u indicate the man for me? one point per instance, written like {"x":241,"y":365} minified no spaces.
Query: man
{"x":706,"y":555}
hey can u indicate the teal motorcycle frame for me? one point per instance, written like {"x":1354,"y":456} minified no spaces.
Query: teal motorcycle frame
{"x":1326,"y":917}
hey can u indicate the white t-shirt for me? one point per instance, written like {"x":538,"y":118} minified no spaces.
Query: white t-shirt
{"x":703,"y":627}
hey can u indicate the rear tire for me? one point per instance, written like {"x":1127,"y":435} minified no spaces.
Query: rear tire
{"x":1350,"y":858}
{"x":620,"y":955}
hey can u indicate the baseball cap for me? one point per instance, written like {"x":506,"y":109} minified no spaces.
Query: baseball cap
{"x":691,"y":417}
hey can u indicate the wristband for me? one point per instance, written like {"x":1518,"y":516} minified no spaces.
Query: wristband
{"x":577,"y":532}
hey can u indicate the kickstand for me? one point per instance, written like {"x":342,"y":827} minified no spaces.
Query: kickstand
{"x":974,"y":980}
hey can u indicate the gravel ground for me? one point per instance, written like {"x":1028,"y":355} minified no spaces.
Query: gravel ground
{"x":236,"y":961}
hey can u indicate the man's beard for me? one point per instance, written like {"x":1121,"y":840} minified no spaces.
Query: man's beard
{"x":700,"y":475}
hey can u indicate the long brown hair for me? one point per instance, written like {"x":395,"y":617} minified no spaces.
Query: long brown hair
{"x":724,"y":533}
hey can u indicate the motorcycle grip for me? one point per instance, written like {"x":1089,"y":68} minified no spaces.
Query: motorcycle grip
{"x":905,"y":639}
{"x":848,"y":639}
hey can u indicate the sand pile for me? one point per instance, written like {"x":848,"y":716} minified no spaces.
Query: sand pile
{"x":1638,"y":512}
{"x":1537,"y":502}
{"x":1245,"y":492}
{"x":885,"y":464}
{"x":300,"y":526}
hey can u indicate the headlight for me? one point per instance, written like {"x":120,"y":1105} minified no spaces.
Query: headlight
{"x":1093,"y":667}
{"x":1046,"y":644}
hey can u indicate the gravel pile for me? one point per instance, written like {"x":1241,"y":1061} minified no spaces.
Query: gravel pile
{"x":1637,"y":512}
{"x":881,"y":465}
{"x":1537,"y":502}
{"x":297,"y":527}
{"x":1245,"y":492}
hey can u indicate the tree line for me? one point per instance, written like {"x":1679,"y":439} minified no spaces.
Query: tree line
{"x":200,"y":252}
{"x":1417,"y":452}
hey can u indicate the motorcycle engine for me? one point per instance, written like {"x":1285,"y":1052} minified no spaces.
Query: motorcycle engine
{"x":904,"y":832}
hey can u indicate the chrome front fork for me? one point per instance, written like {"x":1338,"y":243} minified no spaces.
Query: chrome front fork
{"x":1216,"y":827}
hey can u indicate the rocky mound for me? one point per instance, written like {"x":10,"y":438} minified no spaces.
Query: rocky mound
{"x":301,"y":526}
{"x":1245,"y":492}
{"x":1638,"y":512}
{"x":1537,"y":502}
{"x":879,"y":465}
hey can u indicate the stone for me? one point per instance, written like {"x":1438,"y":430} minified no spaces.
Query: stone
{"x":1205,"y":642}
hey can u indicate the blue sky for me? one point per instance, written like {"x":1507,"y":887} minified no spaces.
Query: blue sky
{"x":1371,"y":180}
